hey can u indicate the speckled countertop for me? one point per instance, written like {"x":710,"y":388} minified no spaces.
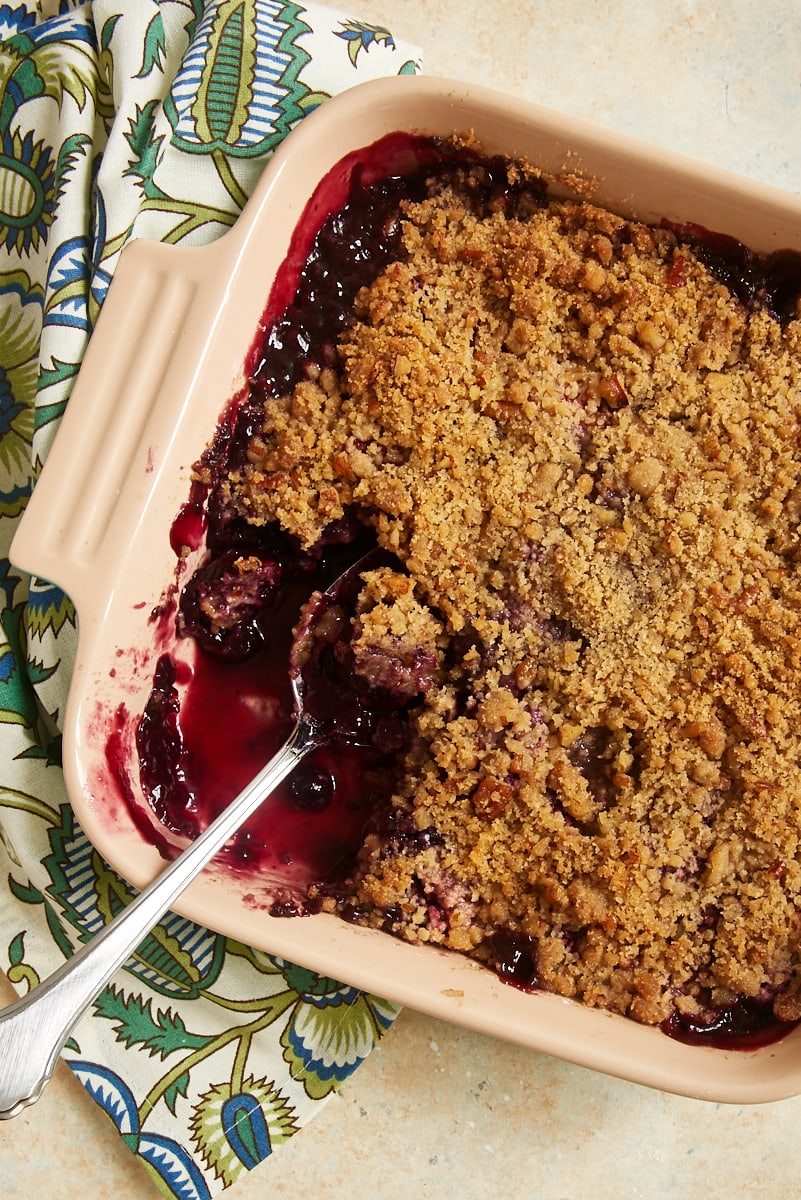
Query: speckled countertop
{"x":436,"y":1111}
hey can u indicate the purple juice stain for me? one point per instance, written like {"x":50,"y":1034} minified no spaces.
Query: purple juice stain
{"x":189,"y":525}
{"x":162,"y":754}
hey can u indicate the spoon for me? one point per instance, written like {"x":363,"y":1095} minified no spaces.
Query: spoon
{"x":33,"y":1030}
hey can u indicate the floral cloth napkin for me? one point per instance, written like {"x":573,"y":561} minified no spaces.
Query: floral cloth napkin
{"x":122,"y":121}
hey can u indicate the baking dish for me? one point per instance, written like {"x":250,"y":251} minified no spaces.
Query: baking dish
{"x":166,"y":356}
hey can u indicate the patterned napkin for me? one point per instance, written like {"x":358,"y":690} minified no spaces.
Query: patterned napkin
{"x":121,"y":121}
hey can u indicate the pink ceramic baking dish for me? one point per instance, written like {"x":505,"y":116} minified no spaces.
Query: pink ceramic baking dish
{"x":166,"y":356}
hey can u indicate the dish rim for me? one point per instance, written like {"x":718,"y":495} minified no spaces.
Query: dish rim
{"x":177,"y":315}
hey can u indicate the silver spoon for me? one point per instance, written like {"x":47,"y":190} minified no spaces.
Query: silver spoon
{"x":33,"y":1030}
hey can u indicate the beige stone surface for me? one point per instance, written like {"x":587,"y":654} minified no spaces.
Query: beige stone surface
{"x":436,"y":1111}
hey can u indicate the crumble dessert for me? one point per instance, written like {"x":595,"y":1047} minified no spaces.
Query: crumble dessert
{"x":578,"y":437}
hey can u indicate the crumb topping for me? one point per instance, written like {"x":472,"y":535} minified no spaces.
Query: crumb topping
{"x":585,"y":452}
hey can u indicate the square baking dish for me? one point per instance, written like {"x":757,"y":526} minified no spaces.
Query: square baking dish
{"x":164,"y":360}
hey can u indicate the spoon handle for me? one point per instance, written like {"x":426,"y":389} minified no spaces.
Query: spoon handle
{"x":33,"y":1030}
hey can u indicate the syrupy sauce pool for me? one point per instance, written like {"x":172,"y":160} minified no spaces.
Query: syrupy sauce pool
{"x":207,"y":730}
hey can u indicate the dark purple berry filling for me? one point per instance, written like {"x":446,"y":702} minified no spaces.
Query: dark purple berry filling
{"x":746,"y":1024}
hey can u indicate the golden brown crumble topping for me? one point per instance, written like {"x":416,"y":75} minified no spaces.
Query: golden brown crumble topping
{"x":585,"y":451}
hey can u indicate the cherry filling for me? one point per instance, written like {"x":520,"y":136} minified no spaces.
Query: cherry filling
{"x":206,"y":731}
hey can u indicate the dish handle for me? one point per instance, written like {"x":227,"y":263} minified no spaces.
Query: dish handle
{"x":136,"y":380}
